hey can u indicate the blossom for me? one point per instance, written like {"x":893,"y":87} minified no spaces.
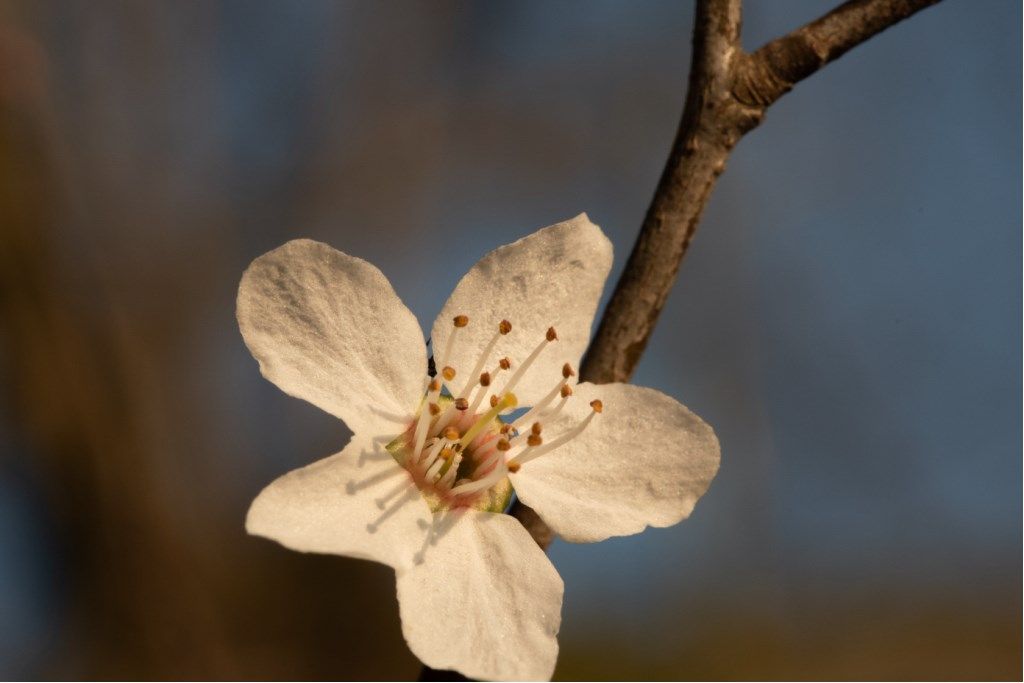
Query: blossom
{"x":434,"y":458}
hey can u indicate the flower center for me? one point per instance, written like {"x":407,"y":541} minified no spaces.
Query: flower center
{"x":460,"y":450}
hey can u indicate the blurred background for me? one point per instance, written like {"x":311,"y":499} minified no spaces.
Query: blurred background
{"x":848,"y":319}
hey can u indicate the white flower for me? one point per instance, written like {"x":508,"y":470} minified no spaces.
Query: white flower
{"x":432,"y":462}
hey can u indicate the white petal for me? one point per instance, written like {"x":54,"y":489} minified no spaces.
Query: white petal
{"x":485,"y":601}
{"x":643,"y":461}
{"x":332,"y":507}
{"x":328,"y":328}
{"x":552,"y":278}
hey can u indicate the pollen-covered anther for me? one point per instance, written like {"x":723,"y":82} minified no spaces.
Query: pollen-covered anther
{"x":485,"y":379}
{"x":536,"y":428}
{"x":597,"y":405}
{"x":534,"y":440}
{"x":566,"y":391}
{"x":506,"y":428}
{"x":434,"y":386}
{"x":513,"y":467}
{"x":567,"y":371}
{"x":505,"y":363}
{"x":435,"y":409}
{"x":451,"y":433}
{"x":448,"y":372}
{"x":504,"y":327}
{"x":503,"y":444}
{"x":551,"y":334}
{"x":460,"y":320}
{"x":461,"y":404}
{"x":447,"y":453}
{"x":494,"y":400}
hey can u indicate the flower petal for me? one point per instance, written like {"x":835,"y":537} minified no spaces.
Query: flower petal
{"x":332,"y":507}
{"x":552,"y":278}
{"x":645,"y":460}
{"x":485,"y":601}
{"x":328,"y":328}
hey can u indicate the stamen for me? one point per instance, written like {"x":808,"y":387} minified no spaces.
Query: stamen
{"x":424,"y":420}
{"x":507,"y":401}
{"x":532,"y":453}
{"x":482,"y":484}
{"x":444,"y":456}
{"x":554,"y":412}
{"x":431,"y":457}
{"x":504,"y":327}
{"x":458,"y":321}
{"x":539,"y":407}
{"x":453,"y":469}
{"x":517,"y":375}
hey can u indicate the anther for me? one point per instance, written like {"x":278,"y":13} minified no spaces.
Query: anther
{"x":551,"y":334}
{"x":504,"y":327}
{"x":566,"y":391}
{"x":567,"y":371}
{"x":506,"y":428}
{"x":503,"y":444}
{"x":434,"y":386}
{"x":460,"y":320}
{"x":435,"y":409}
{"x":513,"y":467}
{"x":448,"y":373}
{"x":597,"y":405}
{"x":494,"y":400}
{"x":485,"y":379}
{"x":461,"y":404}
{"x":534,"y":440}
{"x":451,"y":433}
{"x":536,"y":428}
{"x":505,"y":363}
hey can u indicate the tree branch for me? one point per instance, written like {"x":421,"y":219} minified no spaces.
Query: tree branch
{"x":728,"y":93}
{"x":775,"y":68}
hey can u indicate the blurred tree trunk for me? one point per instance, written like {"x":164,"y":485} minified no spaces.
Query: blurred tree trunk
{"x":73,"y":387}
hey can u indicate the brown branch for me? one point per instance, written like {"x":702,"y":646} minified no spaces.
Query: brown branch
{"x":775,"y":68}
{"x":728,"y":93}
